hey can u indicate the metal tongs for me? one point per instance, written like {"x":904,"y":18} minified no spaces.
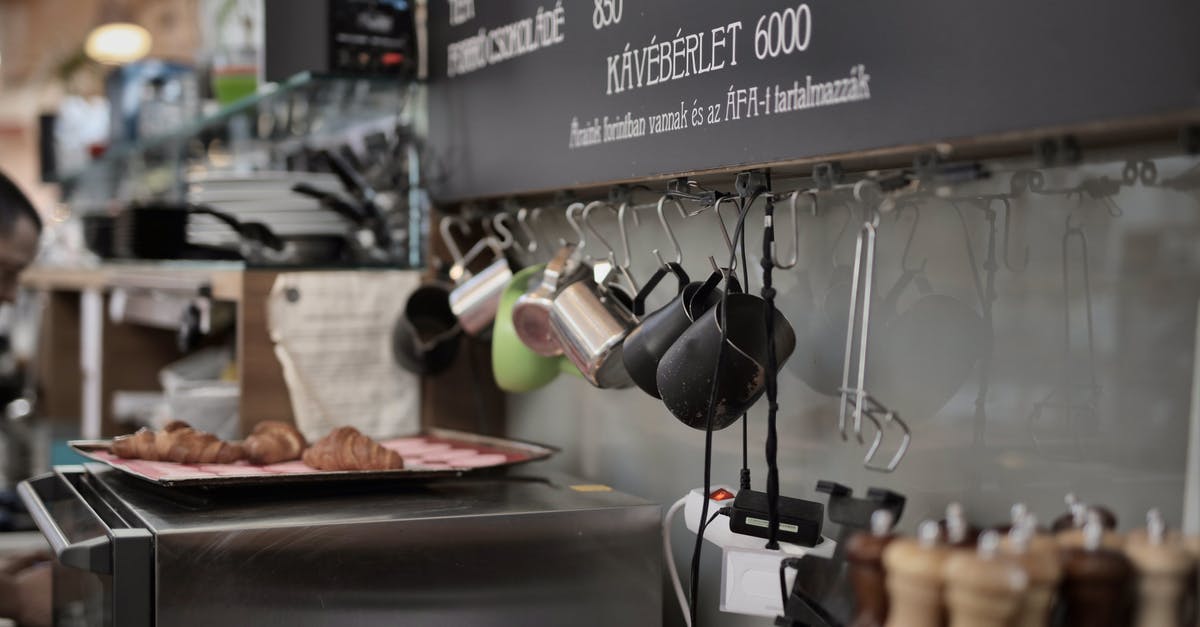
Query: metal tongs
{"x":857,"y":397}
{"x":1064,"y":396}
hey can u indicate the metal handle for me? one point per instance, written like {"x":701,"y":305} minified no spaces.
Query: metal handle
{"x":94,"y":554}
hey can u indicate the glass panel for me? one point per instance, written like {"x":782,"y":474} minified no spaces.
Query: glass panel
{"x":1023,"y":375}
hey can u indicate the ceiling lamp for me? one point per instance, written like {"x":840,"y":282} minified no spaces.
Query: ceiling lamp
{"x":117,"y":40}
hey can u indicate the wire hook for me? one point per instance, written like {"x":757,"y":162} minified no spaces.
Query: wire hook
{"x":662,"y":219}
{"x":912,"y":232}
{"x":1007,"y":210}
{"x":581,"y":238}
{"x":464,"y":229}
{"x":724,"y":230}
{"x":506,"y":239}
{"x":622,"y":267}
{"x":523,"y":217}
{"x":795,"y":258}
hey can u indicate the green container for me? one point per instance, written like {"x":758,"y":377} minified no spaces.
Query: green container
{"x":516,"y":368}
{"x":235,"y":83}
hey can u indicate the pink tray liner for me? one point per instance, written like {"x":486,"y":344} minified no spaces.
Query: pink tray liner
{"x":419,"y":453}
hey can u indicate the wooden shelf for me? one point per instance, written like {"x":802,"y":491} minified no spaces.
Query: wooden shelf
{"x":225,"y":280}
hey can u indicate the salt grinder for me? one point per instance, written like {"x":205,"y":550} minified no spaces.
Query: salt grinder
{"x":864,"y":551}
{"x":1037,"y":554}
{"x":914,"y":578}
{"x":983,"y":587}
{"x":1163,"y":566}
{"x":1095,"y":581}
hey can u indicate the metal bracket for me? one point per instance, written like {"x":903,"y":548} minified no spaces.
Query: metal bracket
{"x":930,"y":167}
{"x":1062,"y":150}
{"x":752,"y":183}
{"x":620,"y":194}
{"x":827,"y":175}
{"x":564,"y":198}
{"x":682,"y":187}
{"x":926,"y":163}
{"x":848,"y":511}
{"x":510,"y":205}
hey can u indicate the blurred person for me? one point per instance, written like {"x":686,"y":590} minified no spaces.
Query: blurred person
{"x":20,"y":228}
{"x":24,"y":579}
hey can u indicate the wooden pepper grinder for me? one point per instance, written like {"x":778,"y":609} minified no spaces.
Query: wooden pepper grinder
{"x":914,"y":578}
{"x":1037,"y":554}
{"x":1163,"y":566}
{"x":983,"y":587}
{"x":959,"y":533}
{"x":864,"y":552}
{"x":1095,"y":581}
{"x":1075,"y":538}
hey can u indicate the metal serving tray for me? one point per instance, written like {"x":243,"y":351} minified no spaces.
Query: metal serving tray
{"x":515,"y":452}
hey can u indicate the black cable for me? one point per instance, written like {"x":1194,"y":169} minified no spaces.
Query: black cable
{"x":712,"y":403}
{"x":772,"y":444}
{"x":784,"y":564}
{"x":744,"y":477}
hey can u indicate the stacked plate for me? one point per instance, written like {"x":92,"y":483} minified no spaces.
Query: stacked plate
{"x":265,"y":197}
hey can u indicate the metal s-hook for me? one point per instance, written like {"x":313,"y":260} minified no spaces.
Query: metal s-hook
{"x":795,"y":258}
{"x":587,"y":223}
{"x":622,"y":267}
{"x":725,"y":231}
{"x":1007,"y":208}
{"x":912,"y":232}
{"x":662,"y":219}
{"x":445,"y":229}
{"x":523,"y":217}
{"x":837,"y":240}
{"x":581,"y":242}
{"x":506,"y":239}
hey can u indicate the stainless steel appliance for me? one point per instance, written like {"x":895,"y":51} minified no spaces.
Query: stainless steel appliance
{"x":505,"y":550}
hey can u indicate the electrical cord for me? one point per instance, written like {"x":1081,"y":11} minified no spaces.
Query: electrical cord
{"x":669,"y":556}
{"x":744,"y":477}
{"x":784,"y":564}
{"x":772,"y":385}
{"x":738,"y":235}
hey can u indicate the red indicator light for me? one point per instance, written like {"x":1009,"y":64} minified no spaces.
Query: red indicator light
{"x":721,"y":494}
{"x":392,"y":58}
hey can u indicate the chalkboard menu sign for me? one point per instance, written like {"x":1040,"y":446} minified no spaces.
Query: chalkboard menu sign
{"x":534,"y":95}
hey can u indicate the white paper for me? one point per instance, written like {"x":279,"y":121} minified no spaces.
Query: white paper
{"x":332,"y":334}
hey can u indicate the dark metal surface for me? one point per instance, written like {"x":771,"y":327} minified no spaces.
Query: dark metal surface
{"x":535,"y":452}
{"x":515,"y":550}
{"x":103,"y":568}
{"x":936,"y":71}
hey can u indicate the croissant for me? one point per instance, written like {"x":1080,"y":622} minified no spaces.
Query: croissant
{"x":179,"y":443}
{"x":345,"y":448}
{"x":272,"y":442}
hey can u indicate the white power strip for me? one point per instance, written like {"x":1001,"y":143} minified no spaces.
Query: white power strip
{"x":749,"y":572}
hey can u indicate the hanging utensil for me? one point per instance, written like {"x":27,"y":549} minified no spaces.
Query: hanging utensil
{"x":857,"y":398}
{"x":1066,"y":396}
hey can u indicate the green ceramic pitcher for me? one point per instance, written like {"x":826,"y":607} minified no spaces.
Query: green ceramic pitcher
{"x":518,"y":369}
